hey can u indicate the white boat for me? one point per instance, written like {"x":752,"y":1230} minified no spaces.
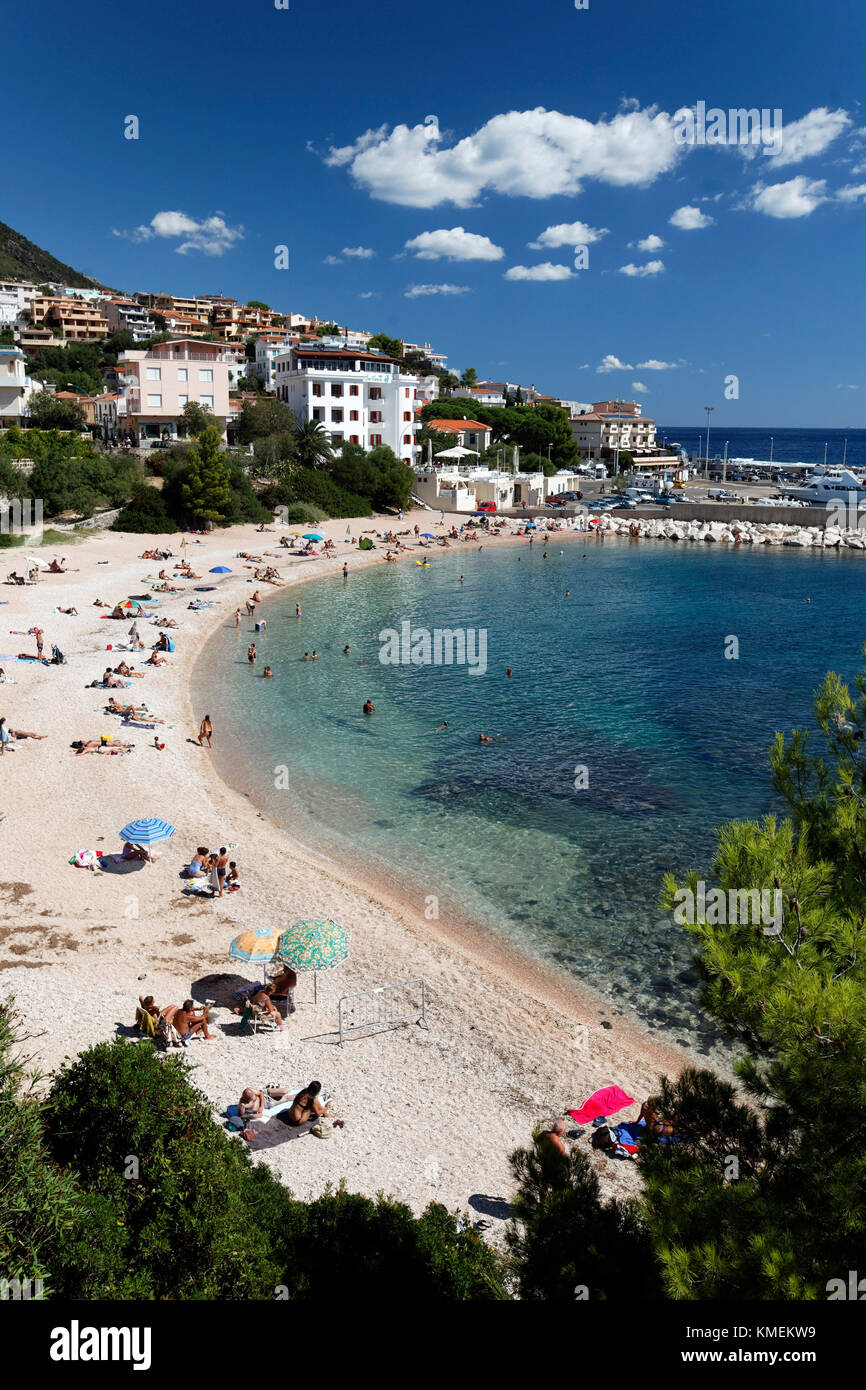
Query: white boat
{"x":828,"y":485}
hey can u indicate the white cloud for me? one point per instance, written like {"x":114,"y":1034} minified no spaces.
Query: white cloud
{"x":639,"y":386}
{"x":333,"y":260}
{"x":610,"y":363}
{"x":852,"y":193}
{"x":567,"y":234}
{"x":846,"y":386}
{"x":369,"y":294}
{"x":545,"y":270}
{"x":533,"y":154}
{"x":213,"y":236}
{"x":690,"y":219}
{"x":454,"y":244}
{"x":648,"y":243}
{"x":810,"y":135}
{"x":360,"y":253}
{"x":797,"y":198}
{"x":654,"y":365}
{"x":651,"y":268}
{"x":414,"y":291}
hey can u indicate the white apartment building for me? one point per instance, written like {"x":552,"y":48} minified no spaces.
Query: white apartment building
{"x":236,"y":357}
{"x":23,"y":292}
{"x":359,"y":397}
{"x":268,"y":346}
{"x":128,"y":316}
{"x":160,"y":380}
{"x":70,"y":291}
{"x":460,"y":487}
{"x":612,"y":427}
{"x":16,"y":387}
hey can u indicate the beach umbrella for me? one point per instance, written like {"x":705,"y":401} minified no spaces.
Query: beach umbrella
{"x":255,"y":947}
{"x":314,"y":945}
{"x":146,"y":831}
{"x":313,"y":536}
{"x":427,"y":536}
{"x":220,"y":569}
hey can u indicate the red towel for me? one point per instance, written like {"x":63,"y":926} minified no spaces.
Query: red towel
{"x":607,"y":1101}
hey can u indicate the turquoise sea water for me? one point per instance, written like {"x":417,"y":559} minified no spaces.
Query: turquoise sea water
{"x":626,"y":678}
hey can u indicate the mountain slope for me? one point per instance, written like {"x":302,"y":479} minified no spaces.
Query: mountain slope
{"x":20,"y":259}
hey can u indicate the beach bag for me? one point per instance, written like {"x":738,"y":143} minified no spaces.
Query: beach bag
{"x":323,"y":1128}
{"x":601,"y":1139}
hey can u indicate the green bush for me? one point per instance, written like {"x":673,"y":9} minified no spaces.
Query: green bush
{"x":196,"y":1219}
{"x":146,"y":514}
{"x":314,"y":486}
{"x":39,"y":1203}
{"x":305,"y":514}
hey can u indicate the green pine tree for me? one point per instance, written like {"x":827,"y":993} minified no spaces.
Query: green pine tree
{"x":205,"y":489}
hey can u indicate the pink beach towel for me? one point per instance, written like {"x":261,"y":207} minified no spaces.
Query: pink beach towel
{"x":607,"y":1101}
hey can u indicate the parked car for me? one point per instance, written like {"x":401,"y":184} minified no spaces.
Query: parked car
{"x":487,"y":506}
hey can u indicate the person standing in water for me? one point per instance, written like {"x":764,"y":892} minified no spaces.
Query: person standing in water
{"x":251,"y":654}
{"x":205,"y":732}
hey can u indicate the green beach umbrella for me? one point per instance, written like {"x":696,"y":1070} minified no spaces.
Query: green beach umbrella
{"x":314,"y":945}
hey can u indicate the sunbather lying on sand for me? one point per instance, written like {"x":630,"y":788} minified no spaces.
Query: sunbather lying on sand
{"x":253,"y":1104}
{"x":131,"y":711}
{"x":155,"y":659}
{"x":307,"y":1106}
{"x":23,"y":733}
{"x":57,"y":567}
{"x":95,"y":745}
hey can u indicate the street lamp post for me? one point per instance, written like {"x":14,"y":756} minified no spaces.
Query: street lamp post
{"x":725,"y":464}
{"x":772,"y":442}
{"x":709,"y":409}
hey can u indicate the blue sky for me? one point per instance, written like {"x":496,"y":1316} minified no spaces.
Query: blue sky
{"x":436,"y":143}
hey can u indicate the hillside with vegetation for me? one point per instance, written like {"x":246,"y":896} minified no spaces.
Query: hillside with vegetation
{"x":21,"y":259}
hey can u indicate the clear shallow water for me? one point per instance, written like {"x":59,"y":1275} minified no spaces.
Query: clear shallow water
{"x":627,"y":677}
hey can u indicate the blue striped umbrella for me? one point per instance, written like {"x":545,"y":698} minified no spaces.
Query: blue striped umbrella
{"x":314,"y":945}
{"x":146,"y":831}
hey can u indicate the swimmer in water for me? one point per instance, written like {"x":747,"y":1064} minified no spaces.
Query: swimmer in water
{"x":369,"y":707}
{"x":346,"y":650}
{"x":508,"y":672}
{"x":484,"y":738}
{"x":267,"y":673}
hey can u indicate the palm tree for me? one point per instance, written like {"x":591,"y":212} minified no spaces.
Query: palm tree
{"x":312,"y":445}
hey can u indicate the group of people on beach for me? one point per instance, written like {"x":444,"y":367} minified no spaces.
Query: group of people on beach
{"x":215,"y":866}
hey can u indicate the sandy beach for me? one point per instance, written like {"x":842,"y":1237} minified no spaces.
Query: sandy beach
{"x":428,"y":1114}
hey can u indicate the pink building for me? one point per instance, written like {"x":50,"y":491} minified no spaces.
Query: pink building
{"x":161,"y":380}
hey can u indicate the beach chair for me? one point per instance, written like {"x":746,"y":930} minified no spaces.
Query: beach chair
{"x":258,"y":1019}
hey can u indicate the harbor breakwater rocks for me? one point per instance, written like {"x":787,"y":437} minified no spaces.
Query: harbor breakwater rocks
{"x":736,"y":533}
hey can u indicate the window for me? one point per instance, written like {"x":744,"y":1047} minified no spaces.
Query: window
{"x":406,"y":391}
{"x":353,"y":390}
{"x":353,"y":439}
{"x":154,"y":374}
{"x":318,"y":389}
{"x":353,"y":414}
{"x":375,"y":393}
{"x":182,"y":400}
{"x":336,"y":390}
{"x":206,"y":400}
{"x":337,"y":417}
{"x":336,"y":439}
{"x":318,"y":413}
{"x":182,"y":374}
{"x":205,"y":374}
{"x":154,"y":400}
{"x":407,"y":439}
{"x":407,"y":415}
{"x":375,"y":417}
{"x":375,"y":439}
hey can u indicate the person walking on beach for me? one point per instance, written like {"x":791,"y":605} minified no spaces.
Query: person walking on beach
{"x":205,"y":732}
{"x":39,"y":635}
{"x":237,"y":617}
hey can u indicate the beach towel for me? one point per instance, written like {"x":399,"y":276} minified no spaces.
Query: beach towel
{"x":277,"y":1131}
{"x":607,"y":1101}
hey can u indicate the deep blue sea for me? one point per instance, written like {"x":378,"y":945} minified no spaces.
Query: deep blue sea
{"x":788,"y":446}
{"x":627,"y":678}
